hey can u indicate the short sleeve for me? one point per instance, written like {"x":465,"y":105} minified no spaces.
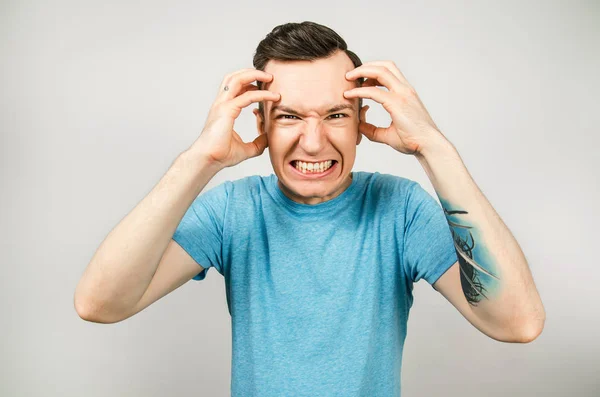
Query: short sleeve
{"x":428,"y":245}
{"x":200,"y":232}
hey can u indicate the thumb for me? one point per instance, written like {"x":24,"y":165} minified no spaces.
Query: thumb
{"x":367,"y":129}
{"x":257,"y":146}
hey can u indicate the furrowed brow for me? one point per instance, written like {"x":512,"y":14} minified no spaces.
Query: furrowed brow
{"x":341,"y":106}
{"x":286,"y":109}
{"x":336,"y":108}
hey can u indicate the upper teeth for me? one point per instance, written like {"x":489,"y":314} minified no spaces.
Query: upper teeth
{"x":322,"y":166}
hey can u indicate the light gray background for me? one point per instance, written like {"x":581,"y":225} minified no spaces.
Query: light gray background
{"x":98,"y":98}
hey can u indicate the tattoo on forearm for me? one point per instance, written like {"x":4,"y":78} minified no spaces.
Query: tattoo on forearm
{"x":477,"y":280}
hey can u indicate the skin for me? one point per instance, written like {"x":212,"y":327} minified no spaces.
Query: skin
{"x":490,"y":284}
{"x":311,"y":133}
{"x":509,"y":310}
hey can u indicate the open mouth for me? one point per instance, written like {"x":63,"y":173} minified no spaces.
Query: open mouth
{"x":313,"y":170}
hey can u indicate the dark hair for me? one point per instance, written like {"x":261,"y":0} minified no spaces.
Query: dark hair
{"x":304,"y":41}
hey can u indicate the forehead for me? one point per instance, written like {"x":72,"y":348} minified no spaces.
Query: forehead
{"x":308,"y":85}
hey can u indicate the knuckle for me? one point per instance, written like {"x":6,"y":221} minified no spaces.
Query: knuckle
{"x":232,"y":77}
{"x":231,"y":80}
{"x":225,"y":83}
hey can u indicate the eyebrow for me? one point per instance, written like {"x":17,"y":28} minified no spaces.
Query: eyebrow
{"x":283,"y":108}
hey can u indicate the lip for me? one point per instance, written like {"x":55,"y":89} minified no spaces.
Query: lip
{"x":313,"y":175}
{"x":311,"y":161}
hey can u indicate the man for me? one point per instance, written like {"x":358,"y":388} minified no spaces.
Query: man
{"x":319,"y":261}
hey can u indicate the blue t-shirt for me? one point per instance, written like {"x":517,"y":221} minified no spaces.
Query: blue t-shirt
{"x":319,"y":295}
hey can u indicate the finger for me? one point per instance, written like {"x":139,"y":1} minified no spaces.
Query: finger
{"x":228,"y":77}
{"x":392,"y":67}
{"x":248,"y":87}
{"x":240,"y":71}
{"x":380,"y":73}
{"x":374,"y":93}
{"x":257,"y":146}
{"x":373,"y":133}
{"x":250,"y":97}
{"x":232,"y":85}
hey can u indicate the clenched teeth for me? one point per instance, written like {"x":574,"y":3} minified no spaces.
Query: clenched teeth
{"x":312,"y":167}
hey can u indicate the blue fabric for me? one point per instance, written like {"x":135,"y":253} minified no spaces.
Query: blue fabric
{"x":319,"y":295}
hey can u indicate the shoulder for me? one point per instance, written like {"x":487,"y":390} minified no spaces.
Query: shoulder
{"x":251,"y":184}
{"x":245,"y":191}
{"x":387,"y":185}
{"x":229,"y":195}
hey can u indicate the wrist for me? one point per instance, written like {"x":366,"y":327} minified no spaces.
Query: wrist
{"x":438,"y":148}
{"x":196,"y":158}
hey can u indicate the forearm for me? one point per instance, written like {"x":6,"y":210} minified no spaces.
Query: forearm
{"x":495,"y":276}
{"x":124,"y":264}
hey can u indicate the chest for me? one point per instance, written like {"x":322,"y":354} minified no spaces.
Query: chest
{"x":291,"y":261}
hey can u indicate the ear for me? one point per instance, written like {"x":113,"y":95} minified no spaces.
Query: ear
{"x":260,"y":124}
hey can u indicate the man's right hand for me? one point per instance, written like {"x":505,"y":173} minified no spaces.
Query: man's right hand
{"x":218,"y":142}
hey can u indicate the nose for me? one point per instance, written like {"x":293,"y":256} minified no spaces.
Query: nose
{"x":312,"y":138}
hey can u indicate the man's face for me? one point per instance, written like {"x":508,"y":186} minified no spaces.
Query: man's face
{"x":312,"y":122}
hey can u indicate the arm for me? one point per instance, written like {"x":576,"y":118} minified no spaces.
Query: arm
{"x":498,"y":291}
{"x":124,"y":265}
{"x":498,"y":294}
{"x":124,"y":275}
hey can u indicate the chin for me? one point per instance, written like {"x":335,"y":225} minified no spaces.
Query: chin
{"x":311,"y":192}
{"x":312,"y":185}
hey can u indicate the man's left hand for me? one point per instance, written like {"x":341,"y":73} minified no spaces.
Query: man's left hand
{"x":411,"y":129}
